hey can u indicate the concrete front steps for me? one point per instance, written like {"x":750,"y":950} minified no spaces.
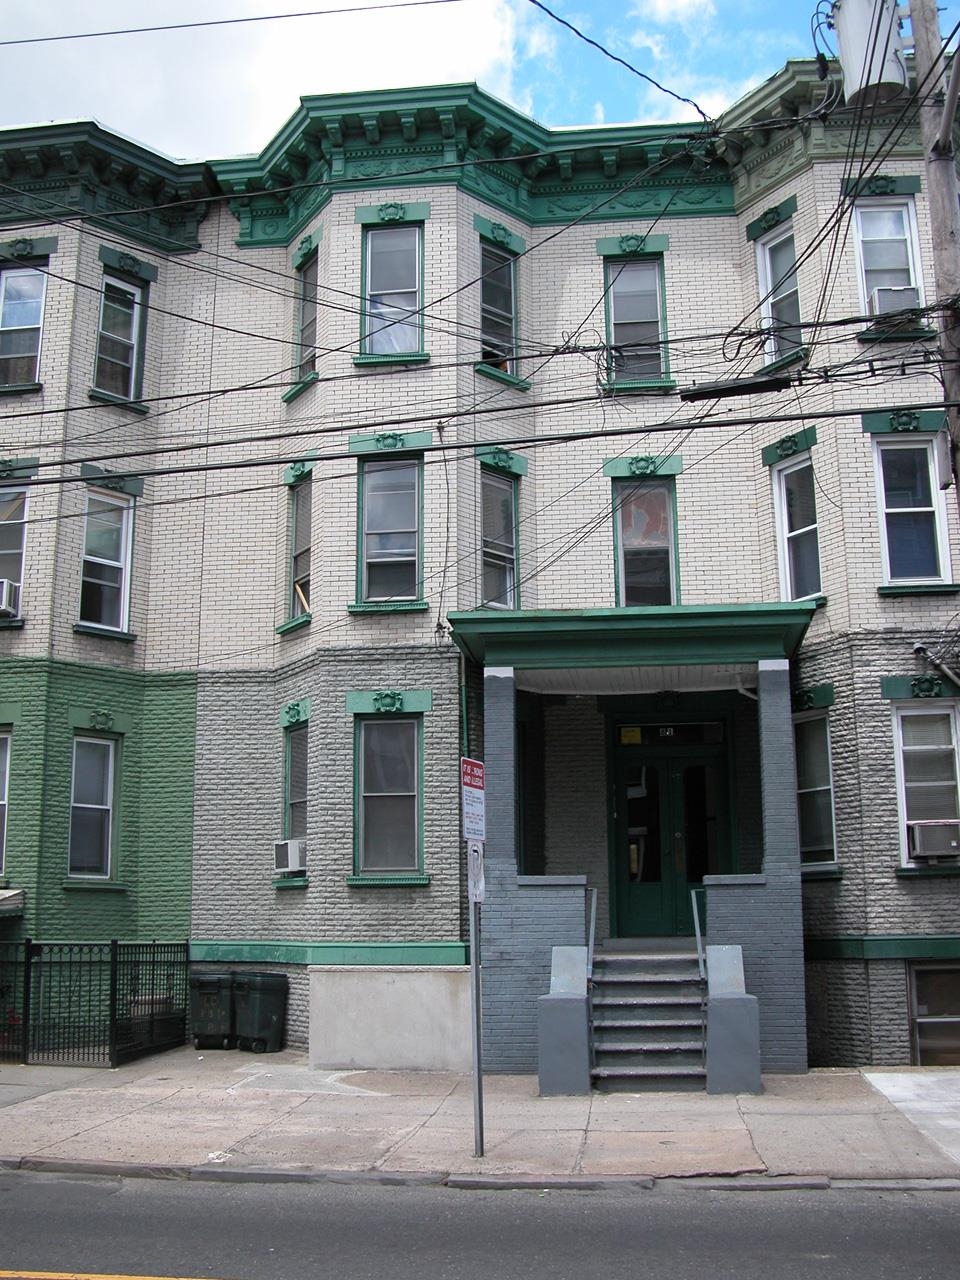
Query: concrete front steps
{"x":648,"y":1018}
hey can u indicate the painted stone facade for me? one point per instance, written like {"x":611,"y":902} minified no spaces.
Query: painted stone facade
{"x":232,"y":409}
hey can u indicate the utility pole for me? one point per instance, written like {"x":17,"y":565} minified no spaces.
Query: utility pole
{"x":938,"y":104}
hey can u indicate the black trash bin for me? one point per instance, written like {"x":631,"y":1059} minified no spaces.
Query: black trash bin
{"x":260,"y":1007}
{"x":211,"y":1011}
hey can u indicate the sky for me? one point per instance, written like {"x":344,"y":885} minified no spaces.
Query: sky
{"x":221,"y":91}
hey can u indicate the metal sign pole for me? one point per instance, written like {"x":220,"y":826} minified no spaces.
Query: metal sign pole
{"x":473,"y":819}
{"x":477,"y":1029}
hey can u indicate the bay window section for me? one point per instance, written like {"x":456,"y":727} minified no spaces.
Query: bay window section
{"x":814,"y":789}
{"x":104,"y":588}
{"x":392,"y":268}
{"x":22,"y":291}
{"x":929,"y":803}
{"x":914,"y":544}
{"x":634,"y":316}
{"x":796,"y":509}
{"x":390,"y":533}
{"x":389,"y":795}
{"x":646,"y":542}
{"x":499,"y":537}
{"x":91,"y":810}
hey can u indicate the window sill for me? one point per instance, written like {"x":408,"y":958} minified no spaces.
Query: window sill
{"x":501,"y":375}
{"x":398,"y":357}
{"x":920,"y":589}
{"x":92,"y":885}
{"x":907,"y":333}
{"x":107,"y":397}
{"x":928,"y":873}
{"x":291,"y":882}
{"x":20,"y":388}
{"x":398,"y":881}
{"x":388,"y":606}
{"x":822,"y":871}
{"x":103,"y":633}
{"x":784,"y":362}
{"x":658,"y":386}
{"x":294,"y":624}
{"x":292,"y":393}
{"x":11,"y":624}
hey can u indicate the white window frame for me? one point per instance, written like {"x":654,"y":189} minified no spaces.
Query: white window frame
{"x":907,"y":204}
{"x":6,"y":741}
{"x":413,"y":312}
{"x":913,"y":441}
{"x":784,"y":534}
{"x":8,"y":273}
{"x":492,"y":550}
{"x":126,"y":547}
{"x":802,"y":718}
{"x":10,"y":491}
{"x":136,"y":291}
{"x":771,"y":290}
{"x":109,"y":807}
{"x":614,"y":271}
{"x":937,"y":706}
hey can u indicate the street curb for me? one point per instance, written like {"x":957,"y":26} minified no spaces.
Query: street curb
{"x":306,"y":1174}
{"x":896,"y":1184}
{"x":752,"y":1182}
{"x":550,"y":1182}
{"x":113,"y":1168}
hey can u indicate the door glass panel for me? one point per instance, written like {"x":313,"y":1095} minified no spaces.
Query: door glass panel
{"x":643,"y":825}
{"x":700,"y":820}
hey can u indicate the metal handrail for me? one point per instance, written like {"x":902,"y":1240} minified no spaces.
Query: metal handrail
{"x":697,"y":933}
{"x":593,"y":932}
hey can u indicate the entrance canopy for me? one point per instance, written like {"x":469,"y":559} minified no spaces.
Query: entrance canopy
{"x":638,"y":650}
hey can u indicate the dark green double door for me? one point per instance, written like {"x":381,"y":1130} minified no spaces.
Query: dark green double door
{"x":670,"y":830}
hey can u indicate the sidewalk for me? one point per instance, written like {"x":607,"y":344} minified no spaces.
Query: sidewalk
{"x":230,"y":1115}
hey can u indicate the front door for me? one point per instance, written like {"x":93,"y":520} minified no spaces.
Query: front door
{"x":670,"y":831}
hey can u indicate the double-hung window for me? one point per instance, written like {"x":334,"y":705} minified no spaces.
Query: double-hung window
{"x":780,"y":298}
{"x":927,"y":770}
{"x":4,"y":785}
{"x":307,"y":329}
{"x":389,"y":794}
{"x":912,"y":525}
{"x":814,"y":788}
{"x":635,"y":320}
{"x":796,"y":508}
{"x":22,"y":292}
{"x":499,"y":536}
{"x":295,"y":781}
{"x":119,"y":339}
{"x":390,"y":533}
{"x":888,"y":256}
{"x":91,"y":809}
{"x":392,"y":322}
{"x":301,"y":497}
{"x":104,"y":589}
{"x":497,"y":308}
{"x":13,"y":515}
{"x":646,"y":540}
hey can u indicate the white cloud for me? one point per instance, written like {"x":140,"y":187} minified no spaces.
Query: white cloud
{"x":666,"y":12}
{"x":599,"y":116}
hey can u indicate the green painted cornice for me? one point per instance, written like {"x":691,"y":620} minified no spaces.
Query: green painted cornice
{"x":79,"y":168}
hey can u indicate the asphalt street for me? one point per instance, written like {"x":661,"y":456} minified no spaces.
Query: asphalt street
{"x":140,"y":1227}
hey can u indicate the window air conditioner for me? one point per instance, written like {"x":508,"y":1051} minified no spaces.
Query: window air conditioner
{"x":933,"y":839}
{"x":290,"y":855}
{"x":890,"y":301}
{"x":8,"y":598}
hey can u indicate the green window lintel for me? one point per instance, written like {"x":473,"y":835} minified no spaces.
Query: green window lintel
{"x":640,"y":468}
{"x":881,"y":184}
{"x":772,"y":218}
{"x":25,"y":247}
{"x":300,"y":469}
{"x":10,"y":712}
{"x":898,"y":688}
{"x":632,"y":246}
{"x":98,"y":720}
{"x":391,"y":442}
{"x":305,"y":247}
{"x":788,"y":446}
{"x":374,"y":702}
{"x":132,"y":486}
{"x":501,"y":459}
{"x":294,"y":713}
{"x":902,"y":421}
{"x":127,"y":263}
{"x":498,"y":234}
{"x":18,"y":469}
{"x":813,"y":697}
{"x":393,"y":211}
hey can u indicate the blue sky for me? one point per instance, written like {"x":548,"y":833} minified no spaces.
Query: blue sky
{"x":225,"y":90}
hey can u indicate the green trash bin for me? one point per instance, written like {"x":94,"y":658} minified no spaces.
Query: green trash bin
{"x":211,"y":1011}
{"x":260,"y":1007}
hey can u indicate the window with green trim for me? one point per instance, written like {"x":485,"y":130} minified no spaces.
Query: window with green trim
{"x":388,"y":794}
{"x":796,"y":513}
{"x":307,"y":328}
{"x":912,"y":530}
{"x":22,"y":292}
{"x":498,"y":320}
{"x":301,"y":502}
{"x":91,"y":808}
{"x":392,"y":271}
{"x":390,"y":529}
{"x":814,"y":788}
{"x":13,"y":518}
{"x":105,"y":582}
{"x":499,"y":538}
{"x":779,"y":294}
{"x":635,"y":320}
{"x":296,"y":741}
{"x":646,"y":541}
{"x":120,"y":339}
{"x":4,"y":784}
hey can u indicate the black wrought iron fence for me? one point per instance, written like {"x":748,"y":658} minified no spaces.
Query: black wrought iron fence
{"x":91,"y":1003}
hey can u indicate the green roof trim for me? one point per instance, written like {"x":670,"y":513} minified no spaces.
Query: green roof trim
{"x":788,"y":446}
{"x":882,"y":184}
{"x":27,"y":248}
{"x":772,"y":218}
{"x":128,"y":264}
{"x":392,"y":211}
{"x":350,"y":953}
{"x":380,"y":702}
{"x":929,"y":685}
{"x":639,"y":468}
{"x":632,"y":246}
{"x":391,"y":442}
{"x":684,"y":635}
{"x":889,"y":947}
{"x":498,"y":234}
{"x":501,"y":459}
{"x":903,"y":421}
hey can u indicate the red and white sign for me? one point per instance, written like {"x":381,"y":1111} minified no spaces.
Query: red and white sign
{"x":473,"y":799}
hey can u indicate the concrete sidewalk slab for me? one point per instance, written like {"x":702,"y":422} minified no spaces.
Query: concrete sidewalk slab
{"x":671,"y":1153}
{"x":929,"y":1099}
{"x":850,"y":1146}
